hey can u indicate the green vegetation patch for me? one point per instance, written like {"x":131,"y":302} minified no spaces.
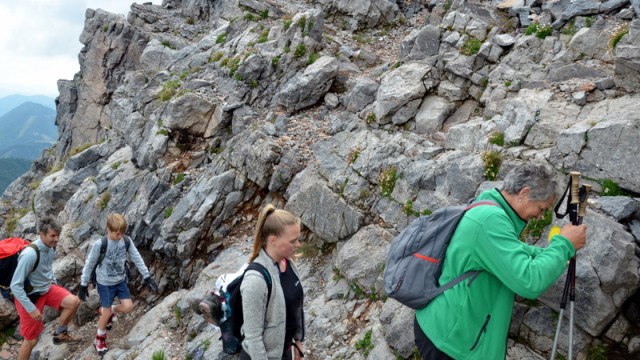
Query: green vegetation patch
{"x":471,"y":46}
{"x":365,"y":345}
{"x":492,"y":161}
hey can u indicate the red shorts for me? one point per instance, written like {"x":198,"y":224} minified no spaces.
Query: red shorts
{"x":31,"y":329}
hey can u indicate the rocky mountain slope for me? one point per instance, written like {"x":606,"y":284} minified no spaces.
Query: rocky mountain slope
{"x":356,"y":116}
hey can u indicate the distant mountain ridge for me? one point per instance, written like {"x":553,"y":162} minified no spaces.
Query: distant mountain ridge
{"x":11,"y":102}
{"x":27,"y":130}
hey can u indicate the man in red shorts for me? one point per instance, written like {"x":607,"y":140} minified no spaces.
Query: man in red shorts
{"x":41,"y":289}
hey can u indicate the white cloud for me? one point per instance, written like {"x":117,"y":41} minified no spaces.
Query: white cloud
{"x":39,"y":42}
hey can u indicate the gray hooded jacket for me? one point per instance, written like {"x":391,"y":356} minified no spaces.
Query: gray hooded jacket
{"x":264,"y":327}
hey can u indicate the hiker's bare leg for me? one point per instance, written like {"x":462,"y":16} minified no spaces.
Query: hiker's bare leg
{"x":26,"y":348}
{"x":104,"y":318}
{"x":125,"y":306}
{"x":68,"y":306}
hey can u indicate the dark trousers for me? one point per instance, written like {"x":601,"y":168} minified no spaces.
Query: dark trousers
{"x":427,"y":350}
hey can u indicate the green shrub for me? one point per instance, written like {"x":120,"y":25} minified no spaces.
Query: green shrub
{"x":353,"y":156}
{"x":471,"y":46}
{"x":104,"y":200}
{"x":264,"y":36}
{"x":365,"y":345}
{"x":447,"y":5}
{"x":190,"y":21}
{"x":387,"y":180}
{"x":264,"y":13}
{"x":588,"y":21}
{"x":6,"y":334}
{"x":598,"y":352}
{"x":497,"y":138}
{"x":179,"y":178}
{"x":409,"y":210}
{"x":158,"y":355}
{"x":221,"y":38}
{"x":287,"y":24}
{"x":300,"y":51}
{"x":544,"y":31}
{"x":217,"y":56}
{"x":167,"y":44}
{"x":312,"y":58}
{"x":371,"y":118}
{"x":249,"y":17}
{"x":611,"y":188}
{"x":535,"y":227}
{"x":234,"y":64}
{"x":302,"y":22}
{"x":163,"y":132}
{"x":492,"y":161}
{"x":167,"y":212}
{"x":275,"y":60}
{"x":169,"y":89}
{"x":531,"y":29}
{"x":617,"y":35}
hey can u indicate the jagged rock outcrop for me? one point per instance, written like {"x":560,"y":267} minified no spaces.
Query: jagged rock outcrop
{"x":189,"y":116}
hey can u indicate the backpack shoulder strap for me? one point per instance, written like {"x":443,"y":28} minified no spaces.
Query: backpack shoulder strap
{"x":480,"y":203}
{"x":127,"y":242}
{"x":37,"y":250}
{"x":265,"y":273}
{"x":103,"y":250}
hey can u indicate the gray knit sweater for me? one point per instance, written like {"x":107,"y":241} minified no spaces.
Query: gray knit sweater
{"x":263,"y":332}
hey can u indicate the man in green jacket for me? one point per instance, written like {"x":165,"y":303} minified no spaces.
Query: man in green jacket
{"x":471,"y":320}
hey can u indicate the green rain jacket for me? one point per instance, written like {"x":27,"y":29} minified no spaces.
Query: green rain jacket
{"x":471,"y":320}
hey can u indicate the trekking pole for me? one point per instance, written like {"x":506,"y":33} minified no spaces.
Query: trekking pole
{"x":582,"y":211}
{"x":569,"y":284}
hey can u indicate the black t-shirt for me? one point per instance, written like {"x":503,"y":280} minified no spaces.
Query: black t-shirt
{"x":292,"y":289}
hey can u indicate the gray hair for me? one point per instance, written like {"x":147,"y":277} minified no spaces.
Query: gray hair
{"x":48,"y":223}
{"x":538,"y":177}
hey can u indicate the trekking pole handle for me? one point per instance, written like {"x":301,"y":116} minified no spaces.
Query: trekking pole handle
{"x":575,"y":187}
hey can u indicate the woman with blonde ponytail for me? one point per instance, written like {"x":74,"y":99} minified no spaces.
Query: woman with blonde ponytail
{"x":273,"y":328}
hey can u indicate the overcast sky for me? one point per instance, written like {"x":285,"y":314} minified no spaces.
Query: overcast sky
{"x":39,"y":42}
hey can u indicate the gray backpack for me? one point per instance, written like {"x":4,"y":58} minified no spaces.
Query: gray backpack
{"x":415,"y":258}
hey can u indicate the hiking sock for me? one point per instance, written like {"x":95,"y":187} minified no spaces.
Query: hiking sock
{"x":102,"y":332}
{"x":60,"y":329}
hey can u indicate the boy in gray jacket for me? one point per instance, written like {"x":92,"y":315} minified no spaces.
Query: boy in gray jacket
{"x":111,"y":279}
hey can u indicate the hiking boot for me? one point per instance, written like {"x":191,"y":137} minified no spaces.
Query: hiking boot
{"x":100,"y":343}
{"x":65,"y":338}
{"x":209,"y":308}
{"x":112,"y":318}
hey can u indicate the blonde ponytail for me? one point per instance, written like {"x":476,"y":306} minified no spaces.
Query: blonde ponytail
{"x":271,"y":221}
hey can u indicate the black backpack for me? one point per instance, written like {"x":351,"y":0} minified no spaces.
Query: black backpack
{"x":225,"y":309}
{"x":103,"y":251}
{"x":10,"y":249}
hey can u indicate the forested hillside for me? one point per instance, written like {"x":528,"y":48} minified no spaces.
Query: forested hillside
{"x":11,"y":169}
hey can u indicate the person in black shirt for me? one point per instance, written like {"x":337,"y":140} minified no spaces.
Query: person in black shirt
{"x":293,"y":297}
